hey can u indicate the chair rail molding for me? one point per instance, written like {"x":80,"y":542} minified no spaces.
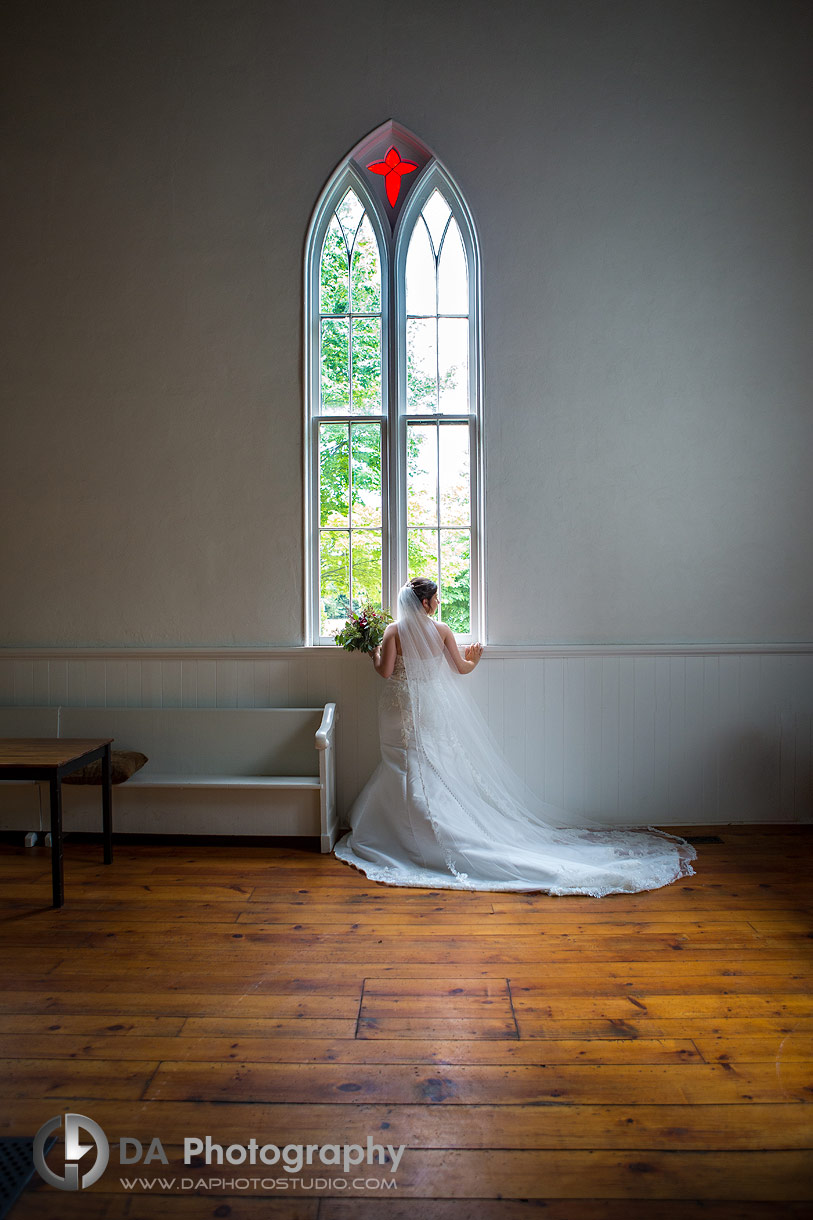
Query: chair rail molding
{"x":660,"y":734}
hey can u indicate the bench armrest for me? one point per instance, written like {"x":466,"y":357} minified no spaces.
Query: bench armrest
{"x":325,"y":731}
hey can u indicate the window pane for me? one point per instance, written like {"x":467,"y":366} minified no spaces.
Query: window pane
{"x":367,"y":366}
{"x":453,"y":364}
{"x":334,"y":475}
{"x":422,"y":474}
{"x":436,"y":213}
{"x":334,"y":580}
{"x":350,"y":212}
{"x":333,"y":269}
{"x":335,"y":357}
{"x":366,"y":271}
{"x":453,"y":278}
{"x":366,"y":569}
{"x":422,"y":553}
{"x":421,"y":297}
{"x":422,"y":365}
{"x":455,"y":579}
{"x":455,"y":486}
{"x":366,"y":440}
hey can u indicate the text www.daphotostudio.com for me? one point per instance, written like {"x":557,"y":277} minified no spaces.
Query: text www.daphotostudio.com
{"x":204,"y":1151}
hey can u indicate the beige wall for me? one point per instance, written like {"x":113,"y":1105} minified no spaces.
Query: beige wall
{"x":640,"y":175}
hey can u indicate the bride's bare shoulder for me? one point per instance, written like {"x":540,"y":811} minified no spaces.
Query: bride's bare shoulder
{"x":391,"y":633}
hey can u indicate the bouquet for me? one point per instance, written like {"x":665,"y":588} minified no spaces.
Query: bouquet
{"x":363,"y":632}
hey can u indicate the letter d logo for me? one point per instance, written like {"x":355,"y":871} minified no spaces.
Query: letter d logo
{"x":74,"y":1151}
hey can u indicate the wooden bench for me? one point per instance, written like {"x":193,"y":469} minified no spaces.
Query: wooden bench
{"x":241,"y":771}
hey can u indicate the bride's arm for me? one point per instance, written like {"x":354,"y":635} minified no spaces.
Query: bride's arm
{"x":463,"y":665}
{"x":384,"y":656}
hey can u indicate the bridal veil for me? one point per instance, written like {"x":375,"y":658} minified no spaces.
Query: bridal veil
{"x":492,"y":831}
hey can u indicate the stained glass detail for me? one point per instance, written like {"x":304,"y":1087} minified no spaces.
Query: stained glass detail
{"x":388,"y":340}
{"x":393,"y":168}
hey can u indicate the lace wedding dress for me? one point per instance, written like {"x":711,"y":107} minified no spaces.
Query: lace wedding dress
{"x":444,"y":810}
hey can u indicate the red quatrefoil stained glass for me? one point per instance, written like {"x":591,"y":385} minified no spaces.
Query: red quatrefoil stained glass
{"x":393,"y":168}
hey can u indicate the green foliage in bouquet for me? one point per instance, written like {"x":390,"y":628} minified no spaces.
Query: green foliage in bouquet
{"x":363,"y":632}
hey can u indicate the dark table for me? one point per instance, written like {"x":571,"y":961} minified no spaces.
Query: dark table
{"x":51,"y":759}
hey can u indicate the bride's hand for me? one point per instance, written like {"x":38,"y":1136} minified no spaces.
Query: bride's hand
{"x":473,"y":653}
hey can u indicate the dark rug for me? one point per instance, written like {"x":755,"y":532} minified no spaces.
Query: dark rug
{"x":16,"y":1168}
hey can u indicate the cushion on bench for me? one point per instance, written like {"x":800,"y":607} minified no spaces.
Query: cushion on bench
{"x":123,"y":764}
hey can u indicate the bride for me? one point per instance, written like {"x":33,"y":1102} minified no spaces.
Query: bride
{"x":444,"y":809}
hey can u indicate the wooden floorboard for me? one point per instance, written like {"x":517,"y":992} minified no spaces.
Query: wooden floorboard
{"x":559,"y":1057}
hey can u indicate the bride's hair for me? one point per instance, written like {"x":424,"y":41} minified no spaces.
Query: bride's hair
{"x":423,"y":588}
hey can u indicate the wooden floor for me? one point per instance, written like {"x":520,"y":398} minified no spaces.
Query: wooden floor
{"x":644,"y":1056}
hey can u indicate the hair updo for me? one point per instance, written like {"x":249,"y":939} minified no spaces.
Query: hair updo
{"x":423,"y":588}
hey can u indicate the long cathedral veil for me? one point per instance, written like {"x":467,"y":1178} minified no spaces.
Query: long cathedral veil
{"x":484,"y":816}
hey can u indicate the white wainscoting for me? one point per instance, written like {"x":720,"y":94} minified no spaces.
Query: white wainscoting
{"x":661,"y":735}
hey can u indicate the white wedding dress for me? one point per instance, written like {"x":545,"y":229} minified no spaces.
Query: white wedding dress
{"x":444,"y":810}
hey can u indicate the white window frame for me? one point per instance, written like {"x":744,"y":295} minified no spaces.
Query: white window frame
{"x":393,"y":248}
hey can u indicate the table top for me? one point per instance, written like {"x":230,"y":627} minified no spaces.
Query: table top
{"x":46,"y":751}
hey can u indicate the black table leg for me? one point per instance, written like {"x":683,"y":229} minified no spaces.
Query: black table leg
{"x":56,"y":841}
{"x":107,"y":803}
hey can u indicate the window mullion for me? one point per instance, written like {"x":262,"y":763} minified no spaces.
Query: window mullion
{"x":314,"y":524}
{"x":436,"y":426}
{"x":350,"y":510}
{"x":396,"y":442}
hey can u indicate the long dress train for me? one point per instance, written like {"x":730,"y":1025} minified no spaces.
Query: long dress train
{"x":444,"y":810}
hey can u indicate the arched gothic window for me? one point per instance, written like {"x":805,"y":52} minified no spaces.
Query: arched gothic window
{"x":393,"y":387}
